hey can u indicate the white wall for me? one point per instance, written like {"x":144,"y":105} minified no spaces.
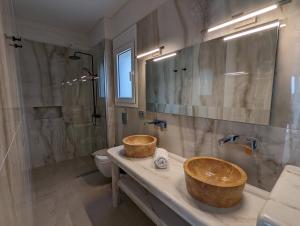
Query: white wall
{"x":108,"y":28}
{"x":52,"y":35}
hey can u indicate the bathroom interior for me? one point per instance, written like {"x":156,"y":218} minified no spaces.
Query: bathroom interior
{"x":162,"y":112}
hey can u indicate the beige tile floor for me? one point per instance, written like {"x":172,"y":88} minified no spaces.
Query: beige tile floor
{"x":73,"y":193}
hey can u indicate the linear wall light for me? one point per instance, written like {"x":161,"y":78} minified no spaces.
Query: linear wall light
{"x":148,"y":53}
{"x":251,"y":31}
{"x":242,"y":18}
{"x":282,"y":25}
{"x":236,"y":73}
{"x":165,"y":57}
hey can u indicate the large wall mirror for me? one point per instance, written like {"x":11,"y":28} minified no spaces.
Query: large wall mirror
{"x":226,"y":80}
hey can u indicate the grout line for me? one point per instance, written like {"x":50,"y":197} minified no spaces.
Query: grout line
{"x":9,"y":147}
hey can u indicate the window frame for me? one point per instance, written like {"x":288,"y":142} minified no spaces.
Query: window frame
{"x":127,"y":102}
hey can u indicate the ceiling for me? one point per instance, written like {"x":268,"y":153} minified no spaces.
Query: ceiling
{"x":72,"y":15}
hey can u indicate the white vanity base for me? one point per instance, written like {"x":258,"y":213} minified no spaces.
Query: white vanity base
{"x":159,"y":213}
{"x":162,"y":194}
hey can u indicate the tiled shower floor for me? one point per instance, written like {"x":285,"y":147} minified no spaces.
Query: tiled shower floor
{"x":73,"y":193}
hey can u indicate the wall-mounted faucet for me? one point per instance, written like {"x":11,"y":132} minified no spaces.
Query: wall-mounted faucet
{"x":251,"y":142}
{"x":161,"y":123}
{"x":228,"y":139}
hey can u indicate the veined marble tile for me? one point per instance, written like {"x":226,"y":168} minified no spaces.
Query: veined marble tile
{"x":149,"y":39}
{"x":180,"y":24}
{"x":108,"y":74}
{"x":59,"y":116}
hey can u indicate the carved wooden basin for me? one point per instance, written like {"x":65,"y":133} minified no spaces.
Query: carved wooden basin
{"x":139,"y":146}
{"x":214,"y":181}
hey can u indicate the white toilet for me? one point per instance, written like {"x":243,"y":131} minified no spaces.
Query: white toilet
{"x":103,"y":163}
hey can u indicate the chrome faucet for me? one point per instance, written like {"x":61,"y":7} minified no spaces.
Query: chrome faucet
{"x":228,"y":139}
{"x":161,"y":123}
{"x":252,"y":143}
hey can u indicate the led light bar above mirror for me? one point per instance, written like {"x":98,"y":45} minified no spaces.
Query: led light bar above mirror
{"x":282,"y":25}
{"x":236,"y":73}
{"x":245,"y":17}
{"x":149,"y":52}
{"x":165,"y":57}
{"x":252,"y":31}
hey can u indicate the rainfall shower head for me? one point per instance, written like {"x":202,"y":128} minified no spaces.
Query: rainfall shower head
{"x":74,"y":57}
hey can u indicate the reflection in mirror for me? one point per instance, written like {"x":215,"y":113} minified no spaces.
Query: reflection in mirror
{"x":229,"y":80}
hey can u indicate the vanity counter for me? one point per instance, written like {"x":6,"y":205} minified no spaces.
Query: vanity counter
{"x":168,"y":185}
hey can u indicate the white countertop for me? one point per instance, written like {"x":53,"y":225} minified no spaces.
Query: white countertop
{"x":283,"y":206}
{"x":169,"y":186}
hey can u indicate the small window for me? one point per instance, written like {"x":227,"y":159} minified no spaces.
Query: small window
{"x":124,"y":70}
{"x":125,"y":79}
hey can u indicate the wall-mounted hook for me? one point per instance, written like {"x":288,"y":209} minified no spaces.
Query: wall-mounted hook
{"x":184,"y":69}
{"x":16,"y":45}
{"x":14,"y":38}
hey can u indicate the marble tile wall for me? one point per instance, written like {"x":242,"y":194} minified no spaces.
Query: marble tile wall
{"x":59,"y":116}
{"x":110,"y":93}
{"x":181,"y":24}
{"x":15,"y":176}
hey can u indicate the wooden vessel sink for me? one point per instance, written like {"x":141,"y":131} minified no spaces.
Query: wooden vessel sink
{"x":139,"y":146}
{"x":214,"y":181}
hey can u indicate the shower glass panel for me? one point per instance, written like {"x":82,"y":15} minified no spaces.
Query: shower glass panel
{"x":58,"y":98}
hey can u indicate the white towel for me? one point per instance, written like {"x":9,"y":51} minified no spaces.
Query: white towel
{"x":161,"y":158}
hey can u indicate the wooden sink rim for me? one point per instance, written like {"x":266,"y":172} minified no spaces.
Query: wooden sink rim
{"x":126,"y":139}
{"x":242,"y":180}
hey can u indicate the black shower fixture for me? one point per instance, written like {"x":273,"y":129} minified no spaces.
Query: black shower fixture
{"x":93,"y":75}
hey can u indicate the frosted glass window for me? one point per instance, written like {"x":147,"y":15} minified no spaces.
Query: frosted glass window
{"x":124,"y":73}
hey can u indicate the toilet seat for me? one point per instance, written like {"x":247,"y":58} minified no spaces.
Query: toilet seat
{"x":103,"y":162}
{"x":102,"y":152}
{"x":102,"y":158}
